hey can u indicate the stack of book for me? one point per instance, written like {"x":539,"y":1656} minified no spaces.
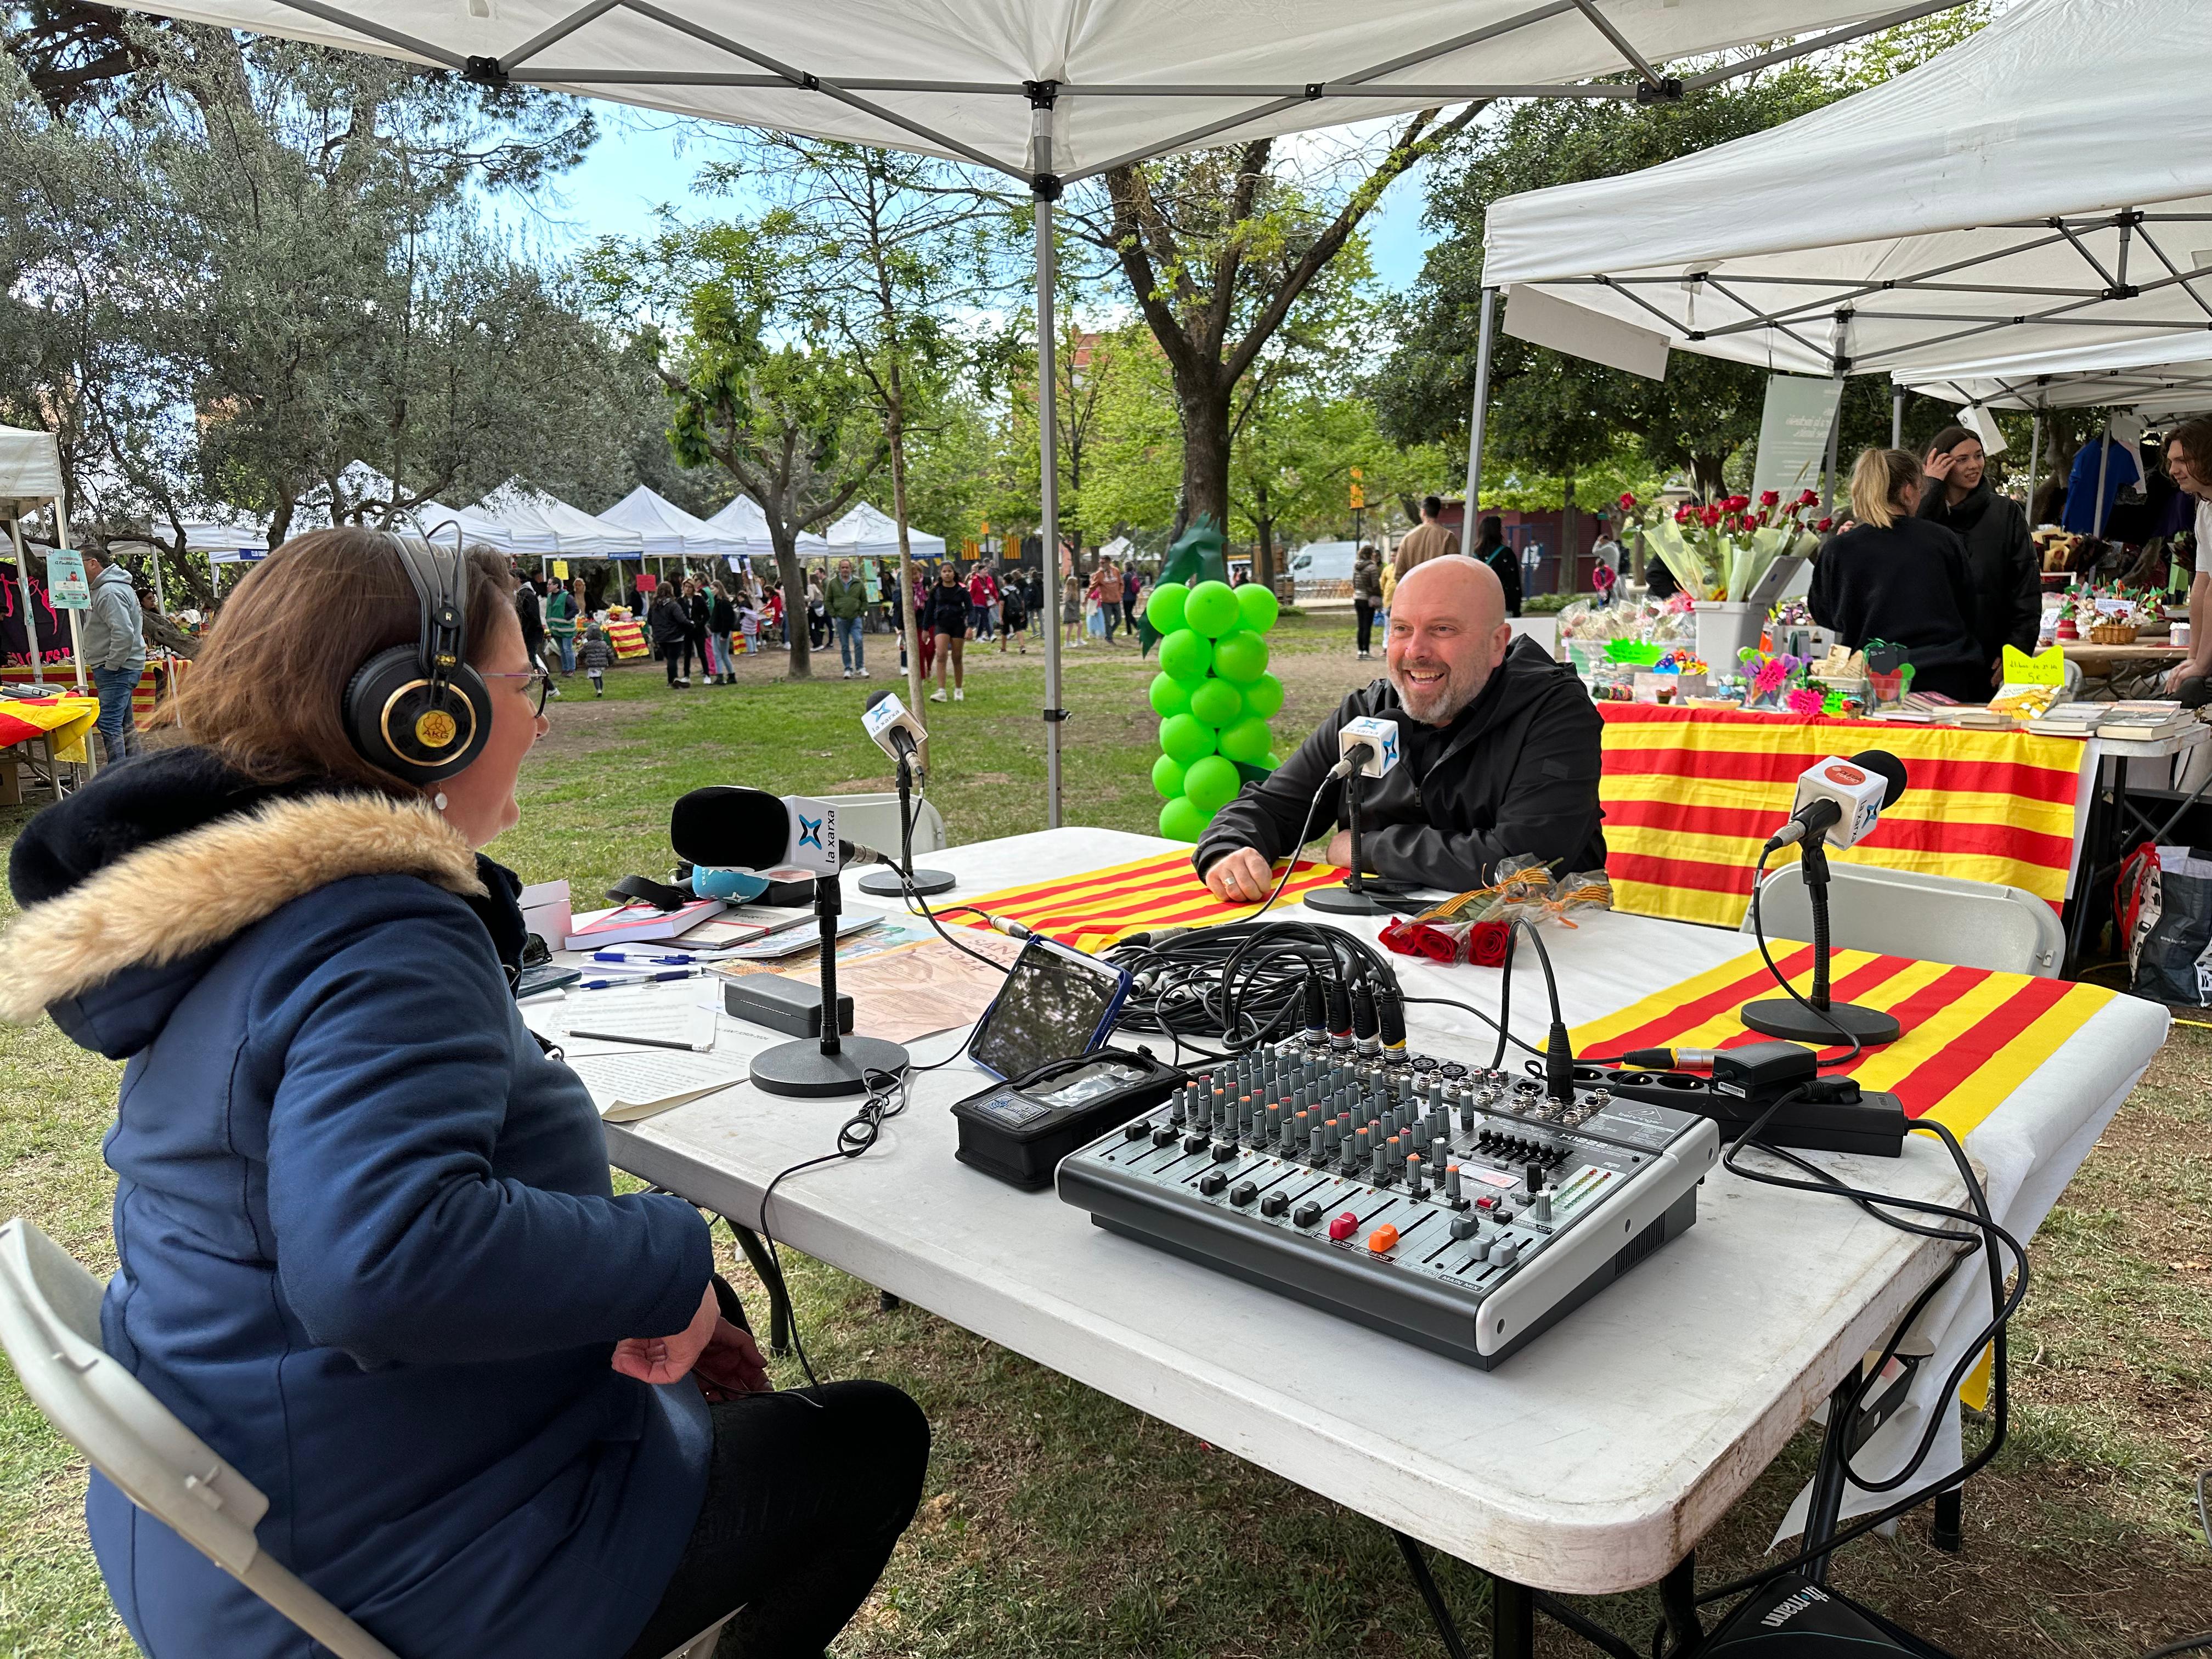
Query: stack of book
{"x":2144,"y":720}
{"x":2070,"y":719}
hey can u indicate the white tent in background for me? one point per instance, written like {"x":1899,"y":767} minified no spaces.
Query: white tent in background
{"x":2158,"y":378}
{"x":1051,"y":92}
{"x":1118,"y":549}
{"x":866,"y":533}
{"x":478,"y":526}
{"x":744,"y":519}
{"x":668,"y":530}
{"x":576,"y":534}
{"x":30,"y":482}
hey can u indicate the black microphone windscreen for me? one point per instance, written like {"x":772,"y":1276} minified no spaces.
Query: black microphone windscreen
{"x":1885,"y":766}
{"x":728,"y":827}
{"x":877,"y":697}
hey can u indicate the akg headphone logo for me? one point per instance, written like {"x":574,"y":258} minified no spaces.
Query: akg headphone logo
{"x":435,"y":728}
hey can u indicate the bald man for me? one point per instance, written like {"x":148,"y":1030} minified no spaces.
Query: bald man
{"x":1501,"y":756}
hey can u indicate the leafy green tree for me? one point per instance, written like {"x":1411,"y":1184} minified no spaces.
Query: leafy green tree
{"x":1220,"y":248}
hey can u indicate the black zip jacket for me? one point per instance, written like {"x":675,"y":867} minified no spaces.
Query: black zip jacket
{"x":2005,"y":577}
{"x":1518,"y":775}
{"x":671,"y":619}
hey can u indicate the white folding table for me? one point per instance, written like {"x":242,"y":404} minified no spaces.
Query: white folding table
{"x":1590,"y":1463}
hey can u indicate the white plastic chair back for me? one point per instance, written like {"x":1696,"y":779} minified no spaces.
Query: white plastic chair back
{"x":873,"y":820}
{"x":1968,"y":924}
{"x":49,"y":1328}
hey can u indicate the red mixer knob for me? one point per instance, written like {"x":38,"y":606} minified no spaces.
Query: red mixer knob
{"x":1343,"y":1226}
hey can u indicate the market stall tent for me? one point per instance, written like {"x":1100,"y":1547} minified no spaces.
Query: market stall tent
{"x":866,"y":533}
{"x":1051,"y":92}
{"x":668,"y":531}
{"x":743,"y":520}
{"x":30,"y":482}
{"x":2160,"y":378}
{"x":479,"y":526}
{"x":575,"y":534}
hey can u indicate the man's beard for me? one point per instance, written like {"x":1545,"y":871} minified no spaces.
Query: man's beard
{"x":1440,"y":704}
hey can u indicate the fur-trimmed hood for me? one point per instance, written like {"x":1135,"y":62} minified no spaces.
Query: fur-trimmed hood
{"x":131,"y":886}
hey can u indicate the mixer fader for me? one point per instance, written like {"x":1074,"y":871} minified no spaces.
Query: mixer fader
{"x":1462,"y":1209}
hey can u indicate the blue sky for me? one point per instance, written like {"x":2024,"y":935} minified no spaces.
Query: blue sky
{"x":642,"y":160}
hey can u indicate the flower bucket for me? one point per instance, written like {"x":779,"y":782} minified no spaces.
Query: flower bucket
{"x":1725,"y":627}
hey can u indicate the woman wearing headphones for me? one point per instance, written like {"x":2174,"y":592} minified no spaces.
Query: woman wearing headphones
{"x":368,"y":1247}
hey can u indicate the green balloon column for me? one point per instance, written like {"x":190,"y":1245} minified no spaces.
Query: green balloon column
{"x":1214,"y":697}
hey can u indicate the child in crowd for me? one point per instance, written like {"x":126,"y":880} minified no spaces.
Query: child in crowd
{"x":595,"y":656}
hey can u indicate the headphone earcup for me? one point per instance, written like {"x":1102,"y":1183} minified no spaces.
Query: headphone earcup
{"x":392,"y":721}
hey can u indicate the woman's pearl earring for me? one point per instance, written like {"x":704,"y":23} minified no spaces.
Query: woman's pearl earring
{"x":438,"y":800}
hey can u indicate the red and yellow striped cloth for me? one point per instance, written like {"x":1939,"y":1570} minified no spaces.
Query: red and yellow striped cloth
{"x":62,"y":680}
{"x":1090,"y":911}
{"x":1690,"y":795}
{"x":66,"y":719}
{"x":1971,"y":1036}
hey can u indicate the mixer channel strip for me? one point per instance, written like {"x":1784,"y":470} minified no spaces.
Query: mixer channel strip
{"x":1455,"y":1207}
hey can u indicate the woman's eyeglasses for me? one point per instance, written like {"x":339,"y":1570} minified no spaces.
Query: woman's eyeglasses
{"x":543,"y":679}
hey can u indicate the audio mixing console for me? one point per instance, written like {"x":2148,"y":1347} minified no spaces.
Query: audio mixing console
{"x":1459,"y":1208}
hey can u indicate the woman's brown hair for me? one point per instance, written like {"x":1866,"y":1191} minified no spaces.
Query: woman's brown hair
{"x":266,"y":692}
{"x":1950,"y":438}
{"x":1878,"y":483}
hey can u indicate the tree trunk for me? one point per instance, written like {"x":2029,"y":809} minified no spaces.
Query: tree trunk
{"x":895,"y":430}
{"x":1206,"y":458}
{"x":794,"y":578}
{"x":1705,"y":475}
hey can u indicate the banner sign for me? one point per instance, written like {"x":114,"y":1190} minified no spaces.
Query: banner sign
{"x":1792,"y":433}
{"x":65,"y":582}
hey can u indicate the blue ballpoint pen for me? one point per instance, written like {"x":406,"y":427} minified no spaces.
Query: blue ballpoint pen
{"x":637,"y":979}
{"x":624,"y":955}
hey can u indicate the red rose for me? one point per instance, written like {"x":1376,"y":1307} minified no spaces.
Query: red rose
{"x":1825,"y":526}
{"x":1485,"y":943}
{"x":1770,"y":498}
{"x":1807,"y":499}
{"x":1685,"y":514}
{"x":1713,"y":518}
{"x":1627,"y":501}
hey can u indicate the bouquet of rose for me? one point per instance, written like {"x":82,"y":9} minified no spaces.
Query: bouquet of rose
{"x":1720,"y":551}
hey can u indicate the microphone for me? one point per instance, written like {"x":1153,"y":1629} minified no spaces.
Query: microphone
{"x":729,"y":827}
{"x":1841,"y":800}
{"x":896,"y":731}
{"x":1367,"y":745}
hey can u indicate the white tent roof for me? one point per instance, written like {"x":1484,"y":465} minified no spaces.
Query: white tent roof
{"x":1132,"y":78}
{"x":744,"y":519}
{"x":234,"y":536}
{"x":1985,"y":202}
{"x":30,"y":469}
{"x":2158,"y":378}
{"x":477,"y":526}
{"x":866,"y":533}
{"x":668,"y":530}
{"x":575,"y":533}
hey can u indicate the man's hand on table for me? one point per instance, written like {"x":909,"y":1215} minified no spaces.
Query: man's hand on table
{"x":1340,"y":850}
{"x":1239,"y":876}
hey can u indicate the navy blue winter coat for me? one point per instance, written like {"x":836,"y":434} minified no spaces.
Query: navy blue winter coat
{"x":369,"y":1251}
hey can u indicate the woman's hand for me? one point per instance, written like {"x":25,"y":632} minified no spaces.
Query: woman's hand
{"x":661,"y":1359}
{"x":732,"y":1364}
{"x":1940,"y":466}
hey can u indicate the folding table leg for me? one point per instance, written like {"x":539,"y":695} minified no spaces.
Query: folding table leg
{"x":1424,"y":1581}
{"x":1512,"y":1620}
{"x":1825,"y":1502}
{"x":778,"y":1294}
{"x":1678,"y":1605}
{"x":1948,"y":1531}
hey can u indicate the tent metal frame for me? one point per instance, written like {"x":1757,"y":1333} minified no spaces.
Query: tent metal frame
{"x":1649,"y":85}
{"x":1839,"y":301}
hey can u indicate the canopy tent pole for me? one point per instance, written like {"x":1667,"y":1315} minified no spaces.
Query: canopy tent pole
{"x":2034,"y":459}
{"x":2104,"y":467}
{"x":1474,"y":423}
{"x":23,"y":581}
{"x":1046,"y":188}
{"x":1828,"y":469}
{"x":1897,"y":418}
{"x":161,"y":600}
{"x":77,"y":629}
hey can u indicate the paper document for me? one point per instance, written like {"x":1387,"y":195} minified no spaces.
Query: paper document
{"x":674,"y":1011}
{"x":639,"y":1082}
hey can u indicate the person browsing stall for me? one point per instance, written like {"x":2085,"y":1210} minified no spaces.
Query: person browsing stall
{"x":369,"y":1248}
{"x":1501,"y":746}
{"x":1902,"y":580}
{"x":2003,"y":575}
{"x":2188,"y":463}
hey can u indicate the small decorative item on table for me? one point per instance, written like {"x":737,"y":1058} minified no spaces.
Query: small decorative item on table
{"x":1476,"y":927}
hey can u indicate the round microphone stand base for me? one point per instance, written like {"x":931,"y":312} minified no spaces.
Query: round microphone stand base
{"x":801,"y":1068}
{"x":888,"y":883}
{"x":1785,"y":1017}
{"x":1370,"y":899}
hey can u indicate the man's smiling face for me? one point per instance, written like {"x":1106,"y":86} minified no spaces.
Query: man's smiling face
{"x":1448,"y":632}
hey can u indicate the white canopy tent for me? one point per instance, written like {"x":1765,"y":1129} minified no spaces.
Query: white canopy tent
{"x":30,"y":482}
{"x":1051,"y":92}
{"x":867,"y":533}
{"x":477,"y":526}
{"x":574,"y":533}
{"x":744,"y":519}
{"x":2044,"y":187}
{"x":669,"y":532}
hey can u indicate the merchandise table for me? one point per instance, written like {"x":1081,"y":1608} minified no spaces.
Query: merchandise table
{"x":1691,"y":794}
{"x":1592,"y":1462}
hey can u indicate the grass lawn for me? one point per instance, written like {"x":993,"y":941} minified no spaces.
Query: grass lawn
{"x":1059,"y":1520}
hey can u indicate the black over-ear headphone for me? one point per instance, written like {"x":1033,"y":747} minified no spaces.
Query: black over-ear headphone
{"x":419,"y":711}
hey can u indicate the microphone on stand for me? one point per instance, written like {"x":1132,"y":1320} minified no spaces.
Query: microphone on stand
{"x":1841,"y":800}
{"x":1366,"y":747}
{"x":900,"y":735}
{"x":732,"y":828}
